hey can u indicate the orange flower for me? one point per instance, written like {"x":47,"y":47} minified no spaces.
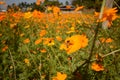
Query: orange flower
{"x":56,"y":9}
{"x":79,"y":8}
{"x":27,"y":61}
{"x":97,"y":67}
{"x":38,"y":41}
{"x":42,"y":33}
{"x":60,"y":76}
{"x":26,"y":41}
{"x":37,"y":14}
{"x":38,"y":2}
{"x":109,"y":40}
{"x":43,"y":51}
{"x":2,"y":16}
{"x":108,"y":14}
{"x":4,"y":48}
{"x":102,"y":40}
{"x":74,"y":43}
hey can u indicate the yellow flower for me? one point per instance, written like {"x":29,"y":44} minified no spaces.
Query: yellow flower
{"x":26,"y":61}
{"x":48,"y":41}
{"x":97,"y":67}
{"x":74,"y":43}
{"x":72,"y":29}
{"x":26,"y":41}
{"x":60,"y":76}
{"x":49,"y":8}
{"x":27,"y":15}
{"x":58,"y":38}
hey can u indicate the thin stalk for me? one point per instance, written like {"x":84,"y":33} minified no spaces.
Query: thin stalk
{"x":13,"y":64}
{"x":96,"y":31}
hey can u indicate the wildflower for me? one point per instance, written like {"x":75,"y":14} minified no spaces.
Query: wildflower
{"x":108,"y":14}
{"x":79,"y":8}
{"x":72,"y":29}
{"x":58,"y":38}
{"x":26,"y":41}
{"x":37,"y":14}
{"x":38,"y":41}
{"x":56,"y":11}
{"x":48,"y":41}
{"x":42,"y":33}
{"x":97,"y":67}
{"x":38,"y":2}
{"x":102,"y":40}
{"x":74,"y":43}
{"x":43,"y":51}
{"x":27,"y":61}
{"x":49,"y":8}
{"x":60,"y":76}
{"x":109,"y":40}
{"x":4,"y":48}
{"x":2,"y":16}
{"x":27,"y":15}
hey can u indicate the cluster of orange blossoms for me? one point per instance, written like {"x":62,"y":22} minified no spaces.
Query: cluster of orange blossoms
{"x":74,"y":43}
{"x":108,"y":40}
{"x":108,"y":14}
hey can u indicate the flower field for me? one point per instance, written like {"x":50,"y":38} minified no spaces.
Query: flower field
{"x":59,"y":46}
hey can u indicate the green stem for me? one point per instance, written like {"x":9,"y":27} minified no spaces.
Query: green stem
{"x":13,"y":64}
